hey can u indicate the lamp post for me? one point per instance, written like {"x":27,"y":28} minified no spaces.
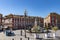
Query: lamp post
{"x":21,"y":32}
{"x":21,"y":28}
{"x":25,"y":26}
{"x":25,"y":21}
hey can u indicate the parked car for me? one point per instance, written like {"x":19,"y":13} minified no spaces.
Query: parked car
{"x":9,"y":33}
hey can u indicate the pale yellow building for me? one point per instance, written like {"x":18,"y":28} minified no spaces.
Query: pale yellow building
{"x":53,"y":19}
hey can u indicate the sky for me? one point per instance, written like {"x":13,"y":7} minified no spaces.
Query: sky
{"x":34,"y":7}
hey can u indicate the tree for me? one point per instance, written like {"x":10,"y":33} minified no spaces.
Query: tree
{"x":47,"y":28}
{"x":55,"y":29}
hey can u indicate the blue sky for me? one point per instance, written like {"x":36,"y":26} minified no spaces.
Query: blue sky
{"x":34,"y":7}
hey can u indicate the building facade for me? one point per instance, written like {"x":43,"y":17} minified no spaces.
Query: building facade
{"x":21,"y":21}
{"x":1,"y":16}
{"x":53,"y":19}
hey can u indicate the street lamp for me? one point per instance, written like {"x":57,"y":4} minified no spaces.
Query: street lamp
{"x":25,"y":21}
{"x":21,"y":32}
{"x":21,"y":25}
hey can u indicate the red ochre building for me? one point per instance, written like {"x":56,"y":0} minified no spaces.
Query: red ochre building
{"x":1,"y":16}
{"x":21,"y":21}
{"x":53,"y":19}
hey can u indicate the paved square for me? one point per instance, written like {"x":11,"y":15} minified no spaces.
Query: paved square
{"x":30,"y":35}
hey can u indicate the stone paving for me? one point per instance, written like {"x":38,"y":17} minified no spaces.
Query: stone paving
{"x":31,"y":36}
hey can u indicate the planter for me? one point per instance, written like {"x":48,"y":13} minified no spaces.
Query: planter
{"x":54,"y":35}
{"x":47,"y":35}
{"x":36,"y":36}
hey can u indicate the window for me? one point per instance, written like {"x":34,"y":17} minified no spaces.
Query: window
{"x":53,"y":17}
{"x":14,"y":25}
{"x":52,"y":22}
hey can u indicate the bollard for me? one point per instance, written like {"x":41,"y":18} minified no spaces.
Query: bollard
{"x":28,"y":38}
{"x":25,"y":35}
{"x":21,"y":32}
{"x":12,"y":39}
{"x":20,"y":38}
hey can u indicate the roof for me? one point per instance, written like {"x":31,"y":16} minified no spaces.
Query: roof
{"x":17,"y":16}
{"x":54,"y":13}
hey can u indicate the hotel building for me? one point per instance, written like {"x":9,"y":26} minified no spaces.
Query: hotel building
{"x":53,"y":19}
